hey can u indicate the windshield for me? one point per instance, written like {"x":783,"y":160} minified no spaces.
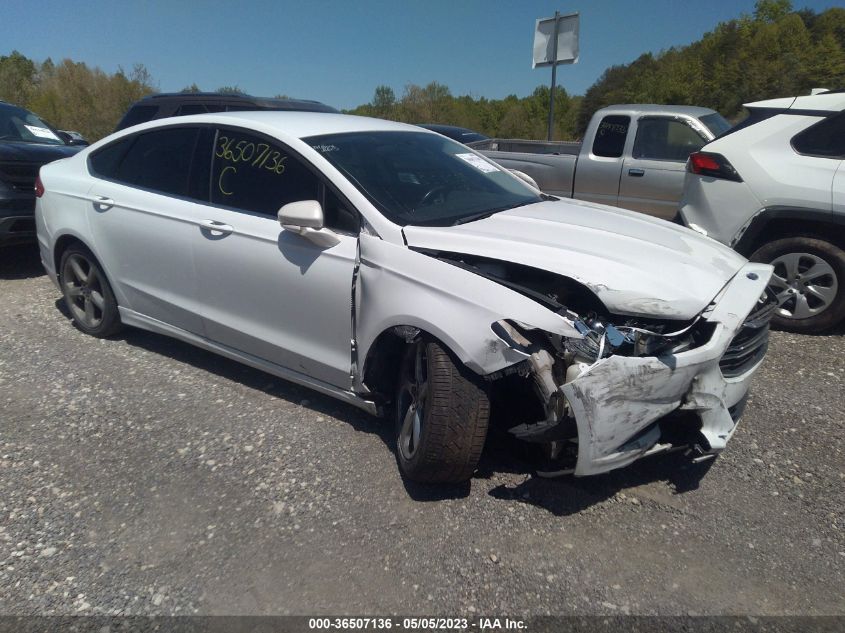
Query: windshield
{"x":17,"y":124}
{"x":716,"y":123}
{"x":417,"y":178}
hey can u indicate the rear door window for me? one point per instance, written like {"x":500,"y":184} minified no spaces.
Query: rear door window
{"x":661,"y":138}
{"x":160,"y":160}
{"x":611,"y":135}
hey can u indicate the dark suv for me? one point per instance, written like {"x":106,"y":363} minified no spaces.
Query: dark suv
{"x":163,"y":105}
{"x":26,"y":143}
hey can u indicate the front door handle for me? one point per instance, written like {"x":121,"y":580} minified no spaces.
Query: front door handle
{"x":636,"y":173}
{"x":215,"y":226}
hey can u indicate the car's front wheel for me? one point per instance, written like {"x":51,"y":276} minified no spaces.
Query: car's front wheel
{"x":809,"y":281}
{"x":87,"y":293}
{"x":442,"y":412}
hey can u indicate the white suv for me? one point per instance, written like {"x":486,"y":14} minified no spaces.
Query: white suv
{"x":773,"y":188}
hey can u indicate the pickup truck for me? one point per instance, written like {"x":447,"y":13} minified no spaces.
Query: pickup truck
{"x":632,"y":156}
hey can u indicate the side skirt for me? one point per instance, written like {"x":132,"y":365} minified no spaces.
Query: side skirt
{"x":134,"y":319}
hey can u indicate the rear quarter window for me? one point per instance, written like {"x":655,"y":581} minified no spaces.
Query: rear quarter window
{"x":105,"y":162}
{"x":825,"y":139}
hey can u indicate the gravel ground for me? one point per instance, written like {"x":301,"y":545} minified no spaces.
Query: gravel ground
{"x":142,"y":476}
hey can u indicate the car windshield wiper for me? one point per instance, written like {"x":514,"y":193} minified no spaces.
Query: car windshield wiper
{"x":487,"y":214}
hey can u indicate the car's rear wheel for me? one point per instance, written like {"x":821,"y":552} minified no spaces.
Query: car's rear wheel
{"x":809,"y":281}
{"x":87,"y":293}
{"x":442,"y":412}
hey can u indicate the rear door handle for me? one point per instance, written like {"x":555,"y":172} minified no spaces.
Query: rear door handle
{"x":636,"y":173}
{"x":103,"y":202}
{"x":215,"y":226}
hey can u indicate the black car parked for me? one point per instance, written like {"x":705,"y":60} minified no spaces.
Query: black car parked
{"x":460,"y":134}
{"x":159,"y":106}
{"x":26,"y":143}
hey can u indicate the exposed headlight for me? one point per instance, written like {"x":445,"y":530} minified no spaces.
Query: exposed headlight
{"x":602,"y":339}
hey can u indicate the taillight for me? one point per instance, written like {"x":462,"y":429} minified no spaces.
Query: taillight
{"x":39,"y":188}
{"x":713,"y":165}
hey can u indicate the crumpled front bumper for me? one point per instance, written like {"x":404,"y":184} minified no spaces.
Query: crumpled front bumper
{"x":618,"y":400}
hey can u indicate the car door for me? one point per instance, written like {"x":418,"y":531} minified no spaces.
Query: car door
{"x":266,"y":291}
{"x":142,"y":212}
{"x":653,"y":174}
{"x":838,"y":197}
{"x":599,"y":166}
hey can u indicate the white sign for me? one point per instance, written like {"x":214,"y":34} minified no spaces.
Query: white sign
{"x":41,"y":132}
{"x":479,"y":163}
{"x":567,"y":40}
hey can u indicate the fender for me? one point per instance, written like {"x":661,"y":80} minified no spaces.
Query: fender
{"x":398,"y":286}
{"x":748,"y":235}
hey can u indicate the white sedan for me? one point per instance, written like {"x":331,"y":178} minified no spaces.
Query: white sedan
{"x":400,"y":271}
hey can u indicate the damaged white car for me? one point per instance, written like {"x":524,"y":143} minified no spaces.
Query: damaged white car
{"x":400,"y":271}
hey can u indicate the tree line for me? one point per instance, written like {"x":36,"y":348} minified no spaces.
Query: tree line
{"x":774,"y":52}
{"x":71,"y":95}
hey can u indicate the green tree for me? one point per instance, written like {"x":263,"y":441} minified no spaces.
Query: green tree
{"x":17,"y":78}
{"x":230,"y":90}
{"x":383,"y":101}
{"x":772,"y":10}
{"x":73,"y":96}
{"x":773,"y":53}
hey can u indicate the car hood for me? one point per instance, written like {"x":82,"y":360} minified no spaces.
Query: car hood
{"x":35,"y":152}
{"x":635,"y":264}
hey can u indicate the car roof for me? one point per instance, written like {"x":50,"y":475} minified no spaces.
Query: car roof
{"x":292,"y":123}
{"x":449,"y":128}
{"x":655,"y":108}
{"x":825,"y":101}
{"x":217,"y":97}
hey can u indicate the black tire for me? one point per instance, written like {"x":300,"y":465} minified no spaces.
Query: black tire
{"x":87,"y":293}
{"x":824,"y":300}
{"x":455,"y":407}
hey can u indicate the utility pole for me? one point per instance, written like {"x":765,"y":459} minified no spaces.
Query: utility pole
{"x":555,"y":42}
{"x":554,"y":77}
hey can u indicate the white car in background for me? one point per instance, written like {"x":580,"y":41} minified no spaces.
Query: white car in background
{"x":399,"y":271}
{"x":773,"y":188}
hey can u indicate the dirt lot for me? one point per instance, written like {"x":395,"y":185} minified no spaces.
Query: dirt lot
{"x":140,"y":475}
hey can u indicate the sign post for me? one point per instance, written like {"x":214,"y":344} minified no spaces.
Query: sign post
{"x":555,"y":42}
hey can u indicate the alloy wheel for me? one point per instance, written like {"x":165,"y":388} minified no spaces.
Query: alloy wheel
{"x":84,"y":290}
{"x":805,"y":285}
{"x":413,"y":396}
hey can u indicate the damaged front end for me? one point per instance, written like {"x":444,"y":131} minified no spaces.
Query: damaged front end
{"x":628,"y":387}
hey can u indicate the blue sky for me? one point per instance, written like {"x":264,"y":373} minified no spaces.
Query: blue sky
{"x":338,"y":52}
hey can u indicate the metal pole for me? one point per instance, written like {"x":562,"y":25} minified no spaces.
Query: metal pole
{"x":554,"y":78}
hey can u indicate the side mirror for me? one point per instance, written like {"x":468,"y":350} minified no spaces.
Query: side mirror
{"x":528,"y":180}
{"x":301,"y":215}
{"x":306,"y":218}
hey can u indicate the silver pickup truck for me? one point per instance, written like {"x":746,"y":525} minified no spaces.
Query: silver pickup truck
{"x":632,"y":156}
